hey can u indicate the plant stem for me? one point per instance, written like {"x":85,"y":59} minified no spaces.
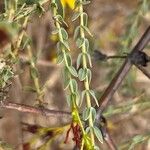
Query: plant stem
{"x":74,"y":107}
{"x":35,"y":78}
{"x":84,"y":62}
{"x":20,"y":37}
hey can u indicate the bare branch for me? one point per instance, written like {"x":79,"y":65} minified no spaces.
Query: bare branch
{"x":143,"y":70}
{"x":34,"y":110}
{"x":117,"y":80}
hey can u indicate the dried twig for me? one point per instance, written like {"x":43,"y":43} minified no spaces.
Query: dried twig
{"x":34,"y":110}
{"x":143,"y":70}
{"x":106,"y":135}
{"x":117,"y":80}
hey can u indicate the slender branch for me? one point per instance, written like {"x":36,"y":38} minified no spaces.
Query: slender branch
{"x":106,"y":135}
{"x":143,"y":70}
{"x":109,"y":141}
{"x":117,"y":80}
{"x":30,"y":109}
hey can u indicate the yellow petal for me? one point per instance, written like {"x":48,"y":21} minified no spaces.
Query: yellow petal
{"x":71,"y":3}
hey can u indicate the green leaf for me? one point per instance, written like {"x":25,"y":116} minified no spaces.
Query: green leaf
{"x":66,"y":78}
{"x":82,"y":97}
{"x":85,"y":18}
{"x":93,"y":112}
{"x":79,"y":60}
{"x":89,"y":57}
{"x":76,"y":32}
{"x":77,"y":98}
{"x":87,"y":44}
{"x":92,"y":93}
{"x":75,"y":16}
{"x":80,"y":42}
{"x":59,"y":47}
{"x":65,"y":44}
{"x":98,"y":134}
{"x":82,"y":74}
{"x":60,"y":58}
{"x":87,"y":130}
{"x":87,"y":30}
{"x":89,"y":74}
{"x":69,"y":61}
{"x":64,"y":34}
{"x":74,"y":85}
{"x":69,"y":101}
{"x":86,"y":114}
{"x":73,"y":71}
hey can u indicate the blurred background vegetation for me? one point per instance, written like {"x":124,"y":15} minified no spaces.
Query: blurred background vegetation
{"x":116,"y":26}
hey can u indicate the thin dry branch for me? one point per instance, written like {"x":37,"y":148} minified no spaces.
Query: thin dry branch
{"x":30,"y":109}
{"x":120,"y":75}
{"x":143,"y":70}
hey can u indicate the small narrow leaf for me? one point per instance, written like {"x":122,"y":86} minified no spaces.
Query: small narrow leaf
{"x":86,"y":114}
{"x":75,"y":16}
{"x":64,"y":34}
{"x":85,"y":18}
{"x":82,"y":74}
{"x":73,"y":71}
{"x":87,"y":44}
{"x":82,"y":97}
{"x":89,"y":74}
{"x":77,"y":98}
{"x":68,"y":98}
{"x":74,"y":84}
{"x":87,"y":130}
{"x":66,"y":78}
{"x":92,"y":93}
{"x":60,"y":59}
{"x":98,"y":134}
{"x":80,"y":42}
{"x":89,"y":59}
{"x":76,"y":32}
{"x":79,"y":60}
{"x":65,"y":44}
{"x":93,"y":112}
{"x":87,"y":30}
{"x":69,"y":61}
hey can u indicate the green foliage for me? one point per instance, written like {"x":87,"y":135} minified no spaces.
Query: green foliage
{"x":6,"y":73}
{"x":16,"y":17}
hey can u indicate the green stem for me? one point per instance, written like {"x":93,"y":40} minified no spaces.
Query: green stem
{"x":74,"y":108}
{"x":84,"y":62}
{"x":20,"y":37}
{"x":35,"y":79}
